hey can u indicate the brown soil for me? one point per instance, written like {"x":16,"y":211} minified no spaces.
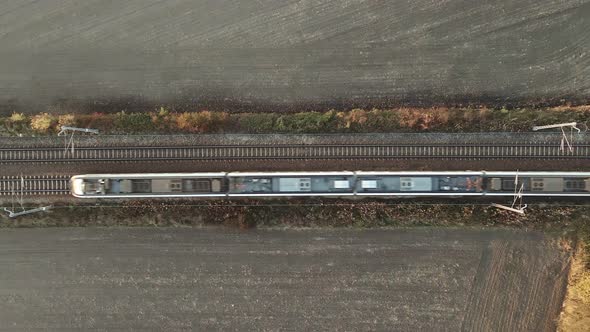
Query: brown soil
{"x":208,"y":279}
{"x":290,"y":54}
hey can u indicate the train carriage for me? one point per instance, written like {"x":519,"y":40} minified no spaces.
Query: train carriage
{"x":149,"y":185}
{"x":345,"y":183}
{"x":539,"y":183}
{"x":419,"y":183}
{"x":291,"y":184}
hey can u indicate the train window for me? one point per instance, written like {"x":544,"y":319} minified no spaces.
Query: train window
{"x":141,"y":186}
{"x":508,"y":184}
{"x":575,"y":184}
{"x":537,"y":184}
{"x":202,"y":185}
{"x":175,"y":185}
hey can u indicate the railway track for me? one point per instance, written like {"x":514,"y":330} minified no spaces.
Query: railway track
{"x":34,"y":185}
{"x":221,"y":152}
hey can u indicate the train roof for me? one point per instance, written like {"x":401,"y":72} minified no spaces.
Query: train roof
{"x":276,"y":194}
{"x":410,"y":173}
{"x":149,"y":175}
{"x":238,"y":174}
{"x":540,"y":174}
{"x":330,"y":173}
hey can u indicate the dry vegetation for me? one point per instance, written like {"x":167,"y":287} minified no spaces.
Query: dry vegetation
{"x":575,"y":316}
{"x":305,"y":212}
{"x":164,"y":121}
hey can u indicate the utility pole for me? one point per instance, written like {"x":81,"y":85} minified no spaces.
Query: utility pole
{"x":517,"y":198}
{"x":564,"y":139}
{"x":69,"y":143}
{"x":559,"y":125}
{"x":11,"y":213}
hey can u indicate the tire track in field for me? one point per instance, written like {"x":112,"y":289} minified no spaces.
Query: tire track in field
{"x":290,"y":52}
{"x":509,"y":291}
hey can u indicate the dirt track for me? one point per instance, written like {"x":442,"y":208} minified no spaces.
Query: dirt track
{"x":201,"y":279}
{"x":264,"y":54}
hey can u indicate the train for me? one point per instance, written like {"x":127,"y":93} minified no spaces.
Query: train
{"x":338,"y":183}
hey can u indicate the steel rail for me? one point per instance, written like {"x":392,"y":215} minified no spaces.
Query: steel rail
{"x":34,"y":185}
{"x":306,"y":152}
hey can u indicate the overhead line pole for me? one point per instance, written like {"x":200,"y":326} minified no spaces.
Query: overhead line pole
{"x":559,"y":125}
{"x":70,"y":143}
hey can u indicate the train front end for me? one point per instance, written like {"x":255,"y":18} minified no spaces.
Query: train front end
{"x":82,"y":187}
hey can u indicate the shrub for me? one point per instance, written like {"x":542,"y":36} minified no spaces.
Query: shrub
{"x":17,"y":123}
{"x":66,"y":120}
{"x":408,"y":118}
{"x":306,"y":122}
{"x":380,"y":121}
{"x":218,"y":121}
{"x":163,"y":119}
{"x":133,"y":122}
{"x":468,"y":119}
{"x":201,"y":122}
{"x":257,"y":122}
{"x":100,"y":121}
{"x":423,"y":119}
{"x":354,"y":119}
{"x":185,"y":121}
{"x":41,"y":123}
{"x":358,"y":116}
{"x":18,"y":118}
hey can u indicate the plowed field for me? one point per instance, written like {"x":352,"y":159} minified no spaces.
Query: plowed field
{"x":201,"y":279}
{"x":291,"y":52}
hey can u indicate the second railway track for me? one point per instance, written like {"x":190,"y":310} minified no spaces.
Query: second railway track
{"x":541,"y":151}
{"x":34,"y":185}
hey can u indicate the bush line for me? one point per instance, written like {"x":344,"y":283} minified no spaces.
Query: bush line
{"x":164,"y":121}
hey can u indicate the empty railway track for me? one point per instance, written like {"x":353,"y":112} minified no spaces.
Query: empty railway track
{"x":540,"y":151}
{"x":34,"y":185}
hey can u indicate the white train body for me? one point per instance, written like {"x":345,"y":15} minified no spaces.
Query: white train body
{"x":343,"y":183}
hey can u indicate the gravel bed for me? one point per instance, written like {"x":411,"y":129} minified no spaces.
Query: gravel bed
{"x":302,"y":165}
{"x":273,"y":139}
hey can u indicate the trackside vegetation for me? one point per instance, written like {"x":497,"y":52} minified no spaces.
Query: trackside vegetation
{"x":575,"y":315}
{"x":308,"y":212}
{"x":166,"y":121}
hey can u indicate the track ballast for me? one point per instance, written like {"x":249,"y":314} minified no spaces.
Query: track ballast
{"x":541,"y":151}
{"x":34,"y":185}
